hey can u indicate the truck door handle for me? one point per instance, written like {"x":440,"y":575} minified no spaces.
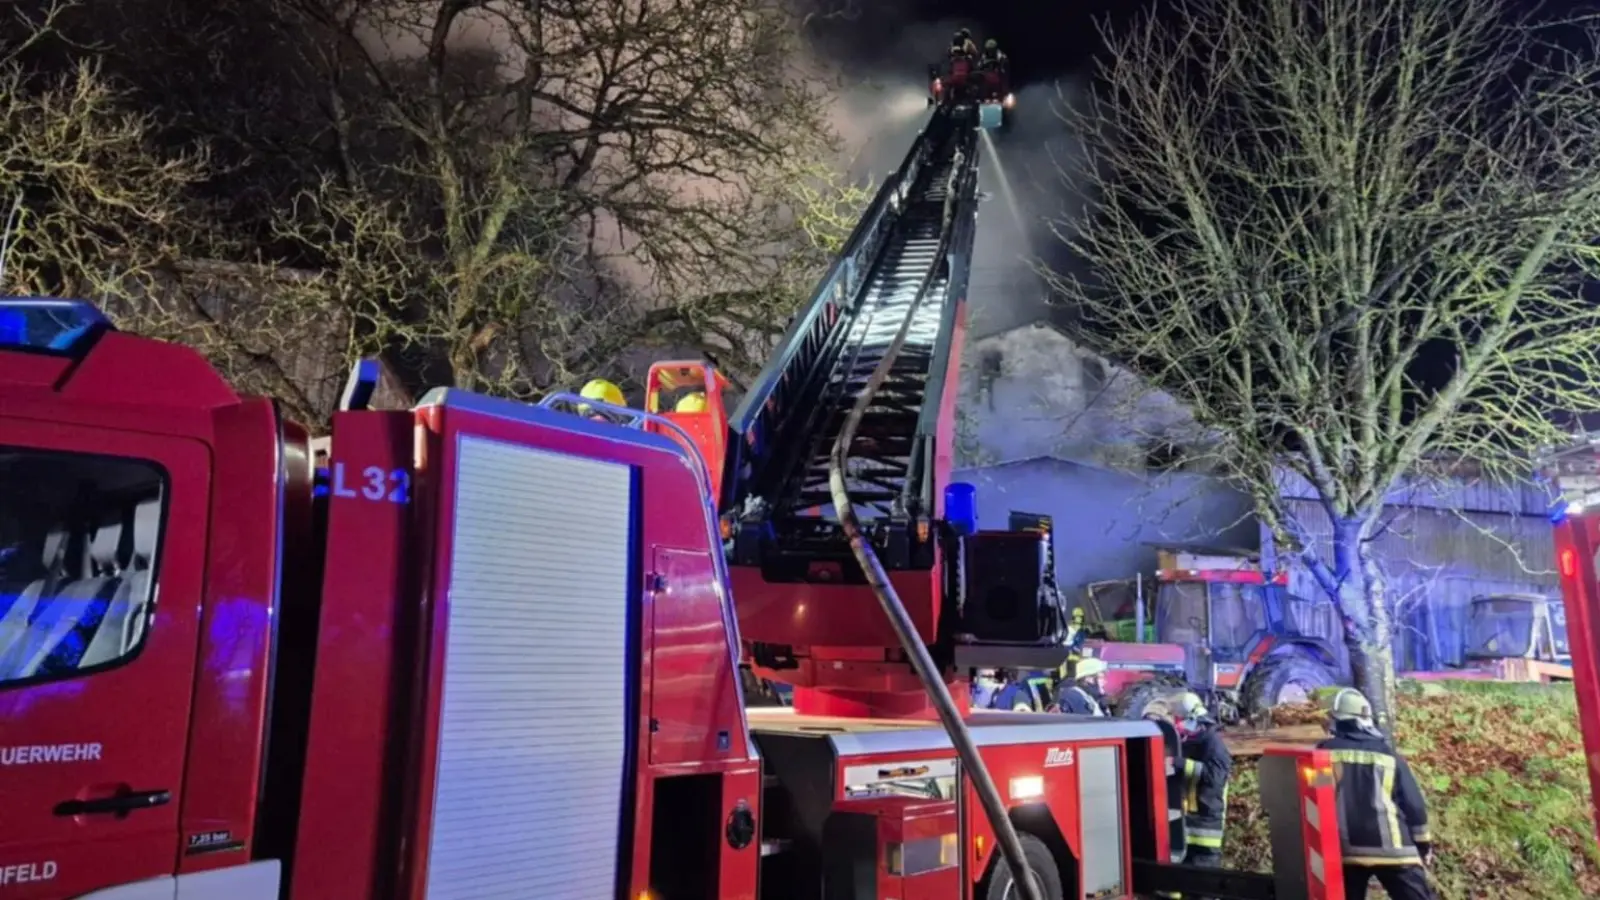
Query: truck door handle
{"x":120,"y":803}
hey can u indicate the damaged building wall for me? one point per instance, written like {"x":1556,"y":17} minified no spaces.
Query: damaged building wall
{"x":1046,"y":427}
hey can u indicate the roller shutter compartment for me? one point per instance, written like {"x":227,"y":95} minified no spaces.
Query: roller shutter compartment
{"x":532,"y":733}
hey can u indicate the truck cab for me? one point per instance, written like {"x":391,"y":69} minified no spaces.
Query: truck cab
{"x":149,"y":526}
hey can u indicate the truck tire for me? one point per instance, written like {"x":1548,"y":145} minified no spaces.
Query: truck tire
{"x":1291,"y":677}
{"x":1043,"y":865}
{"x":1153,"y":697}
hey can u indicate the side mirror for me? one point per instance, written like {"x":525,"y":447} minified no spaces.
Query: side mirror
{"x":360,"y":386}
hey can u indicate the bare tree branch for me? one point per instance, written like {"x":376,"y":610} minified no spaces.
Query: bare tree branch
{"x":1353,"y":239}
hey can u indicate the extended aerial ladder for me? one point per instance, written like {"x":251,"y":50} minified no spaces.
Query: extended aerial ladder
{"x":808,"y":616}
{"x":849,"y":570}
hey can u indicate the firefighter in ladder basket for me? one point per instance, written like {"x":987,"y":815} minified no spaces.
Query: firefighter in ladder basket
{"x":962,"y":45}
{"x":1383,"y":820}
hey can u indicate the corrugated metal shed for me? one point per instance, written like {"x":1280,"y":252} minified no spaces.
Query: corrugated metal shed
{"x":1438,"y":558}
{"x":1524,"y":498}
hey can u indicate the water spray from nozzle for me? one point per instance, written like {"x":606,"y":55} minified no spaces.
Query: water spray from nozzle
{"x":1006,"y":192}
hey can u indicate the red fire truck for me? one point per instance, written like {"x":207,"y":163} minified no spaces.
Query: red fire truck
{"x":216,"y":683}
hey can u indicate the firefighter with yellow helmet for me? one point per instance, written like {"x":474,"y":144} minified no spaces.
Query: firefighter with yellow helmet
{"x":691,"y":403}
{"x":1077,"y":631}
{"x":1083,"y":695}
{"x":601,"y":391}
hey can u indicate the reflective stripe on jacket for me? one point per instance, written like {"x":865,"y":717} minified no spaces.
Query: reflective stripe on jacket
{"x":1207,"y":769}
{"x":1382,"y":816}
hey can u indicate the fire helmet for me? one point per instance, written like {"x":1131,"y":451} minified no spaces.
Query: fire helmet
{"x":603,"y":391}
{"x":1350,"y":705}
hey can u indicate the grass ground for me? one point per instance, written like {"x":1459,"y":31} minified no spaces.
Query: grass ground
{"x":1502,"y":767}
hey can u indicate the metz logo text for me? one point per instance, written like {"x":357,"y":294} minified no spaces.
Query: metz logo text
{"x":1055,"y":757}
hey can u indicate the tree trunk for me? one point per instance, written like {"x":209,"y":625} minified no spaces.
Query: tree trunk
{"x":1379,"y":685}
{"x":1359,"y":589}
{"x":463,"y":365}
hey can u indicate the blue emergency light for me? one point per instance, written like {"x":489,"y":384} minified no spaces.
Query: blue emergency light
{"x":42,"y":325}
{"x":961,"y":508}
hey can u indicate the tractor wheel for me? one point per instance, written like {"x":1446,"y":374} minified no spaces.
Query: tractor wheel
{"x":1287,"y":678}
{"x":1046,"y":877}
{"x":1154,"y":697}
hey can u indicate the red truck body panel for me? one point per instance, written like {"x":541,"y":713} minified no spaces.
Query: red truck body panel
{"x":686,"y":656}
{"x":347,"y":841}
{"x":1578,"y":564}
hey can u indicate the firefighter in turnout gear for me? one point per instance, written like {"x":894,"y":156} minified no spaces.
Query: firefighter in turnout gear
{"x":1383,"y":821}
{"x":1207,"y":768}
{"x":1076,"y":633}
{"x":1082,"y":696}
{"x":962,"y":44}
{"x":992,"y":58}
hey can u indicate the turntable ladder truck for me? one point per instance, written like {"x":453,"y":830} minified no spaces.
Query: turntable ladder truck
{"x":225,"y":675}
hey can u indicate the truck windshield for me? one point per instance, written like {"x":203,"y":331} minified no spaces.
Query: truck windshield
{"x":78,"y":542}
{"x":1499,"y":628}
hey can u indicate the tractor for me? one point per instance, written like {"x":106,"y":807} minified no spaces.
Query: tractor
{"x":1219,"y":628}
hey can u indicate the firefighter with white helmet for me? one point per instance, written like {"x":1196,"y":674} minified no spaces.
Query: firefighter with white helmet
{"x":1082,"y":696}
{"x":1383,"y":819}
{"x":1207,"y":769}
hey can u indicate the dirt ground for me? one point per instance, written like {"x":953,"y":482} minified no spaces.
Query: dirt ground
{"x":1245,"y":743}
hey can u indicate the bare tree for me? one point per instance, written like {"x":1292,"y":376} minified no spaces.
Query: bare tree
{"x":97,"y":209}
{"x":502,"y":196}
{"x":1353,"y":238}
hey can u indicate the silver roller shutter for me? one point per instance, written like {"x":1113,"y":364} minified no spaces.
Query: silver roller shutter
{"x":532,"y":734}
